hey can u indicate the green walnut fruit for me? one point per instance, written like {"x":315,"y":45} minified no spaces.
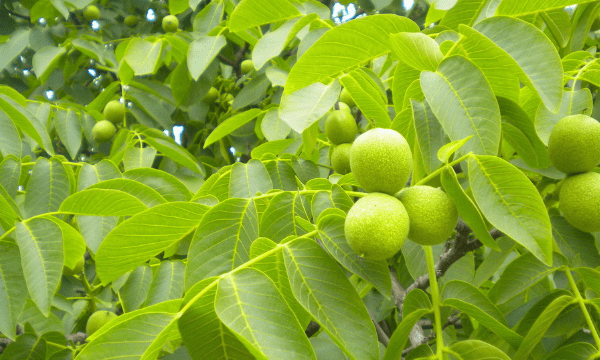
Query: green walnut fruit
{"x":131,"y":20}
{"x":580,"y":201}
{"x":346,"y":98}
{"x":376,"y":226}
{"x":103,"y":131}
{"x":67,"y":271}
{"x":211,"y":95}
{"x":170,"y":23}
{"x":340,"y":158}
{"x":114,"y":111}
{"x":246,"y":66}
{"x":342,"y":106}
{"x":98,"y":320}
{"x":91,"y":13}
{"x":340,"y":127}
{"x":381,"y":161}
{"x":432,"y":214}
{"x":574,"y":144}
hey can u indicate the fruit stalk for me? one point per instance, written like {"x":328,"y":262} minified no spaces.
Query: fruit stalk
{"x":581,"y":302}
{"x":435,"y":299}
{"x":439,"y":171}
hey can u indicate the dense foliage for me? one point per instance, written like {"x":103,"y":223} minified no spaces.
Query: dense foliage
{"x":212,"y":223}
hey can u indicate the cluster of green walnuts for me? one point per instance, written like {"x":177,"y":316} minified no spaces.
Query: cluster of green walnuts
{"x":104,"y":130}
{"x":379,"y":223}
{"x":574,"y":149}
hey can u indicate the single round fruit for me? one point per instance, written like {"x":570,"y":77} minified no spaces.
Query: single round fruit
{"x":91,"y":13}
{"x":340,"y":127}
{"x":103,"y":131}
{"x":346,"y":98}
{"x":170,"y":23}
{"x":432,"y":214}
{"x":574,"y":144}
{"x":376,"y":226}
{"x":580,"y":201}
{"x":343,"y":106}
{"x":381,"y":161}
{"x":67,"y":271}
{"x":340,"y":158}
{"x":247,"y":66}
{"x":98,"y":320}
{"x":211,"y":95}
{"x":114,"y":111}
{"x":131,"y":20}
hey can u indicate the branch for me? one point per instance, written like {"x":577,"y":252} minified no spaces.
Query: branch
{"x":416,"y":336}
{"x":381,"y":335}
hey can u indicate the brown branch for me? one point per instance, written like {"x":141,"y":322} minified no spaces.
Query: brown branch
{"x":381,"y":335}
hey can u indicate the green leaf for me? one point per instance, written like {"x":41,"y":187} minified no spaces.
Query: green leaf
{"x":158,"y":322}
{"x":252,"y":92}
{"x":178,"y":6}
{"x":145,"y":235}
{"x":511,"y":203}
{"x":73,"y":242}
{"x":559,"y":25}
{"x":167,"y":282}
{"x":10,"y":138}
{"x":279,"y":218}
{"x":430,"y":135}
{"x":573,"y":102}
{"x":519,"y":8}
{"x":331,"y":229}
{"x":92,"y":174}
{"x":248,"y":302}
{"x":336,"y":198}
{"x":400,"y":335}
{"x":368,"y":96}
{"x":166,"y":184}
{"x":540,"y":326}
{"x":102,"y":202}
{"x":513,"y":115}
{"x":204,"y":335}
{"x":539,"y":66}
{"x":12,"y":291}
{"x":416,"y":299}
{"x":464,"y":105}
{"x":577,"y":246}
{"x":209,"y":17}
{"x":476,"y":350}
{"x":491,"y":59}
{"x":404,"y":76}
{"x":176,"y":153}
{"x":46,"y":60}
{"x":464,"y":12}
{"x":415,"y":257}
{"x":250,"y":13}
{"x":273,"y":266}
{"x":9,"y":212}
{"x":521,"y":274}
{"x":26,"y":346}
{"x":493,"y":261}
{"x":231,"y":124}
{"x":417,"y":50}
{"x":575,"y":351}
{"x":302,"y":108}
{"x":17,"y":42}
{"x":26,"y":122}
{"x":202,"y":52}
{"x":322,"y":288}
{"x":336,"y":52}
{"x":41,"y":248}
{"x":143,"y":56}
{"x":222,"y":241}
{"x":144,"y":193}
{"x":249,"y":179}
{"x":69,"y":130}
{"x":47,"y":188}
{"x":135,"y":289}
{"x":273,"y":127}
{"x":10,"y":170}
{"x":591,"y":278}
{"x":95,"y":228}
{"x":466,"y":208}
{"x":470,"y":300}
{"x":445,"y":152}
